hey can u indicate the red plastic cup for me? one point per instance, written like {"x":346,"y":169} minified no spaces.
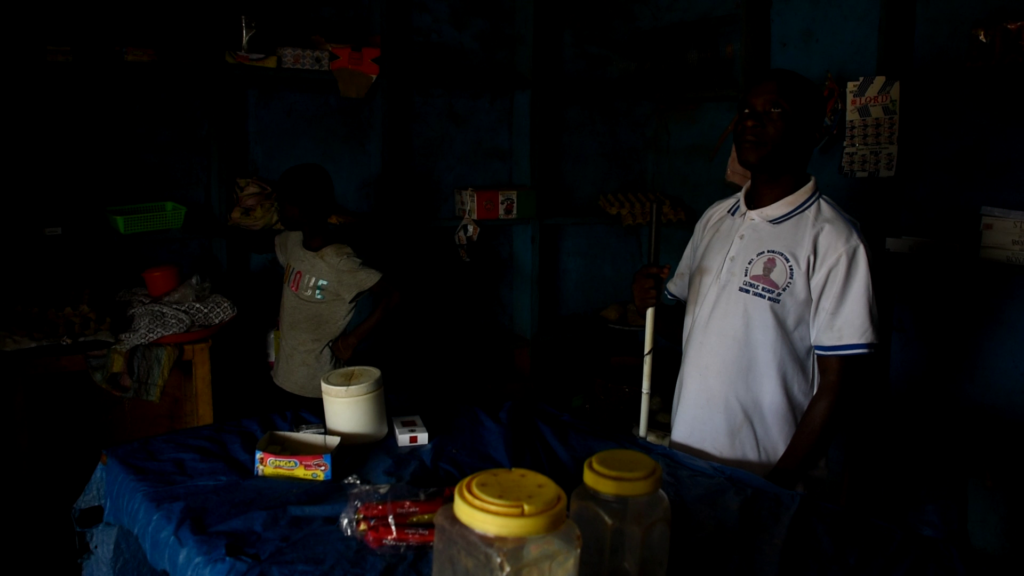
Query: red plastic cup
{"x":161,"y":280}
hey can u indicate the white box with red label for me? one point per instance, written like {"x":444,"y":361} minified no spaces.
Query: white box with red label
{"x":409,"y":431}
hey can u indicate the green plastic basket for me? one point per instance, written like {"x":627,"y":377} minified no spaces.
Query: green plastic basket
{"x":146,"y":217}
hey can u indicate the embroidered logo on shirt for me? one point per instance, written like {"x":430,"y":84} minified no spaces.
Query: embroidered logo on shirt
{"x":768,"y":275}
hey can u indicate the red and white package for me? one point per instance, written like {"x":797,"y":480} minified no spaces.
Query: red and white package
{"x":391,"y":518}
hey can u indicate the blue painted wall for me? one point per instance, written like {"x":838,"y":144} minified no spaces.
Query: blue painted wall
{"x":961,"y":165}
{"x":285,"y":128}
{"x":477,"y":128}
{"x":617,"y":136}
{"x":819,"y":37}
{"x":460,"y":140}
{"x":472,"y":134}
{"x":970,"y":163}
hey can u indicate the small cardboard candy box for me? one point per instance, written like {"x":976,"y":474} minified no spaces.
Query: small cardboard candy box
{"x":303,"y":58}
{"x":295,"y":455}
{"x":477,"y":204}
{"x":409,"y":431}
{"x":465,"y":203}
{"x":1005,"y":233}
{"x":516,"y":203}
{"x":507,"y":204}
{"x":500,"y":203}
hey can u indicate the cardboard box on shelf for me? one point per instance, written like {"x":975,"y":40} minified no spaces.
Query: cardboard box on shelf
{"x":304,"y":58}
{"x":463,"y":200}
{"x":1006,"y":233}
{"x":498,"y":203}
{"x":295,"y":455}
{"x":507,"y":204}
{"x":477,"y":204}
{"x":1002,"y":255}
{"x":516,"y":203}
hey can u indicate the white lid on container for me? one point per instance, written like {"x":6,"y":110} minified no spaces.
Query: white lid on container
{"x":351,"y":382}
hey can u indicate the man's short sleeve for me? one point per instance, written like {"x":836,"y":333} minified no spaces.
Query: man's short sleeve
{"x":843,"y":309}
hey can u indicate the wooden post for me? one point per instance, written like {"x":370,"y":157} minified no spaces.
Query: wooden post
{"x":201,"y":386}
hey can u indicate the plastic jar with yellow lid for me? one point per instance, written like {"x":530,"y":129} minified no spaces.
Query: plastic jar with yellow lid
{"x":506,"y":522}
{"x":623,"y":516}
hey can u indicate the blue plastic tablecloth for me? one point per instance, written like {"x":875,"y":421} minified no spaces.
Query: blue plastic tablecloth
{"x":197,"y":509}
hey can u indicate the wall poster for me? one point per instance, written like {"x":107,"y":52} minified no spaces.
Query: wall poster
{"x":872,"y":125}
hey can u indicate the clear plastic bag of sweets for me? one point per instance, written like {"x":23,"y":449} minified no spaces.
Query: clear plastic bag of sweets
{"x":392,"y":518}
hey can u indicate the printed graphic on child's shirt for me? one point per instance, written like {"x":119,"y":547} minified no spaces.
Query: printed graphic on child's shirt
{"x":304,"y":285}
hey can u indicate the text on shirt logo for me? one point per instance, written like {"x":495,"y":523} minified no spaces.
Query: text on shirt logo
{"x":768,"y":275}
{"x":293,"y":278}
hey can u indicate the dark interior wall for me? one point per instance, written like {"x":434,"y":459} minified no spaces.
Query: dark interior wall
{"x":626,"y":112}
{"x":271,"y":122}
{"x":344,"y":135}
{"x":817,"y":38}
{"x":948,"y":170}
{"x":972,"y":159}
{"x":460,"y":140}
{"x":575,"y":101}
{"x":958,"y":164}
{"x":92,"y":137}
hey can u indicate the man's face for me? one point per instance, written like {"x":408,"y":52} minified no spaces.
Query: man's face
{"x":767,"y":269}
{"x":770,"y":135}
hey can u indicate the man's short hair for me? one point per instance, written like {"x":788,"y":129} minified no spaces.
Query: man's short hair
{"x":308,"y":186}
{"x":804,"y":96}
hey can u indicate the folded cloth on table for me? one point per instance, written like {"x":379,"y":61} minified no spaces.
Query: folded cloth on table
{"x":153,"y":319}
{"x":140,"y":372}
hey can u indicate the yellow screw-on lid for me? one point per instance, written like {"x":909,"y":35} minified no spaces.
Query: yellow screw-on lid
{"x":511,"y":503}
{"x":622,"y":473}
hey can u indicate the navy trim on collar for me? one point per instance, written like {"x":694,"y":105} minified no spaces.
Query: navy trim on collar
{"x":801,"y":208}
{"x":734,"y":208}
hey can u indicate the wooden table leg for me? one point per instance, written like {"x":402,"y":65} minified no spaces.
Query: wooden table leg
{"x":202,"y":388}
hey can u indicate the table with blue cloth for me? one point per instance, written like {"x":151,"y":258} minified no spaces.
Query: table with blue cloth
{"x":188,"y":503}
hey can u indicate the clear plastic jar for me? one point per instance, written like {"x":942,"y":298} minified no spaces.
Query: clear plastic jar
{"x":506,"y":522}
{"x":623,"y":516}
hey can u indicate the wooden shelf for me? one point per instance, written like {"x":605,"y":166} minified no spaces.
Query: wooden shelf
{"x":554,"y":221}
{"x":278,"y":78}
{"x":453,"y":222}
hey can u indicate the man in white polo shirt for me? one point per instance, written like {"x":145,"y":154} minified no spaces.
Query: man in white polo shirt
{"x":778,"y":299}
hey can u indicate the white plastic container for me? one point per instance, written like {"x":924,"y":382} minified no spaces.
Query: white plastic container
{"x":504,"y":523}
{"x":273,"y":346}
{"x":354,"y":404}
{"x":623,"y":516}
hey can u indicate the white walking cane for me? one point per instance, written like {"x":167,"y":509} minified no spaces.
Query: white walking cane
{"x":645,"y":397}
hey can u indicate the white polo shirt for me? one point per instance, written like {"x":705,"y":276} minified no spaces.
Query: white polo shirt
{"x":766,"y":290}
